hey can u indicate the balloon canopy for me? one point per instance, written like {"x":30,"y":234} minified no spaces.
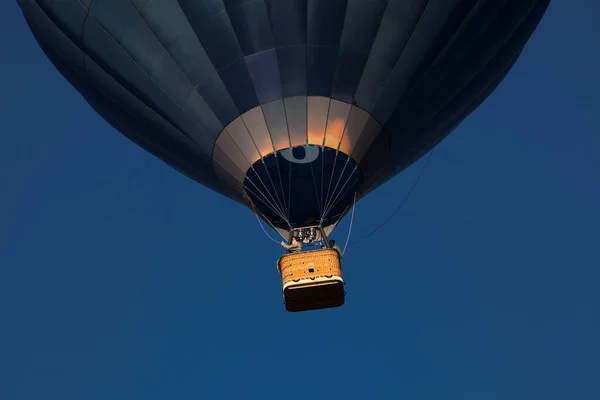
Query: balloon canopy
{"x":291,"y":106}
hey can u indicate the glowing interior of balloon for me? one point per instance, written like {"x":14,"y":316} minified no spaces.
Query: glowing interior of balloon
{"x":325,"y":125}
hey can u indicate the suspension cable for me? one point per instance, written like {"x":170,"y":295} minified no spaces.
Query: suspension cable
{"x":401,"y":203}
{"x":350,"y":228}
{"x":260,"y":223}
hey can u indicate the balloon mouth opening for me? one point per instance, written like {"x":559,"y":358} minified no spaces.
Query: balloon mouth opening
{"x":304,"y":186}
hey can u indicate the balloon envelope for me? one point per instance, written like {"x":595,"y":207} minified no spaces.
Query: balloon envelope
{"x":292,"y":106}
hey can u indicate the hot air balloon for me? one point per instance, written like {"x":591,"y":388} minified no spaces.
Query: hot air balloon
{"x":293,"y":108}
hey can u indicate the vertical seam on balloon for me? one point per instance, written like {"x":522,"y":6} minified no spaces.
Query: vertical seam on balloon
{"x":194,"y":87}
{"x":143,"y":71}
{"x":83,"y":30}
{"x":490,"y":85}
{"x":262,"y":110}
{"x":278,"y":201}
{"x":483,"y":67}
{"x":336,"y":156}
{"x":330,"y":101}
{"x":337,"y":58}
{"x":487,"y":62}
{"x":437,"y":58}
{"x":281,"y":203}
{"x":466,"y":111}
{"x":258,"y":101}
{"x":258,"y":151}
{"x":283,"y":105}
{"x":312,"y":170}
{"x":196,"y":90}
{"x":362,"y":74}
{"x":353,"y":99}
{"x":335,"y":71}
{"x":228,"y":188}
{"x":149,"y":77}
{"x":224,"y":85}
{"x":225,"y":131}
{"x":152,"y":146}
{"x":384,"y":131}
{"x":323,"y":151}
{"x":401,"y":53}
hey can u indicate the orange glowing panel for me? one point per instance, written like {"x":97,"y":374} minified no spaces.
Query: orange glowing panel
{"x":317,"y":119}
{"x":256,"y":125}
{"x":240,"y":135}
{"x":336,"y":123}
{"x":274,"y":113}
{"x":354,"y":128}
{"x":295,"y":112}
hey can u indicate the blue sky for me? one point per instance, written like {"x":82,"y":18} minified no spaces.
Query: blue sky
{"x":122,"y":279}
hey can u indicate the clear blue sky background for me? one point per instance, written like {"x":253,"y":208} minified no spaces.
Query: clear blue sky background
{"x":121,"y":279}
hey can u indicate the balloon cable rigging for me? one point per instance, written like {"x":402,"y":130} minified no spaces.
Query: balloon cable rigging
{"x":350,"y":228}
{"x":260,"y":223}
{"x":397,"y":208}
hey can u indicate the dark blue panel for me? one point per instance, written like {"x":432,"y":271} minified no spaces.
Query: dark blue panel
{"x":348,"y":72}
{"x":148,"y":130}
{"x":423,"y":104}
{"x":325,"y":21}
{"x":292,"y":67}
{"x":230,"y":184}
{"x":218,"y":39}
{"x":127,"y":28}
{"x":361,"y":27}
{"x":362,"y":24}
{"x":423,"y":135}
{"x":320,"y":70}
{"x":185,"y":62}
{"x":434,"y":31}
{"x":265,"y":75}
{"x":375,"y":164}
{"x":198,"y":11}
{"x":470,"y":27}
{"x":69,"y":15}
{"x":305,"y":198}
{"x":399,"y":21}
{"x":238,"y":83}
{"x":234,"y":3}
{"x":251,"y":24}
{"x":195,"y":64}
{"x":288,"y":21}
{"x":172,"y":29}
{"x":106,"y":52}
{"x":44,"y":29}
{"x":115,"y":16}
{"x":167,"y":100}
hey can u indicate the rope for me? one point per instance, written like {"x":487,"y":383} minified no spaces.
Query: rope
{"x":401,"y":203}
{"x":350,"y":228}
{"x":260,"y":223}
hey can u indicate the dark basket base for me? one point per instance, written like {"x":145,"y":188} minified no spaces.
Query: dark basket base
{"x":314,"y":297}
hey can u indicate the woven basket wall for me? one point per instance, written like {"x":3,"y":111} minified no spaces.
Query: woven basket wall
{"x":309,"y":265}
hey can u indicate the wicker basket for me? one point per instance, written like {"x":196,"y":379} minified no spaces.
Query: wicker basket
{"x":312,"y":280}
